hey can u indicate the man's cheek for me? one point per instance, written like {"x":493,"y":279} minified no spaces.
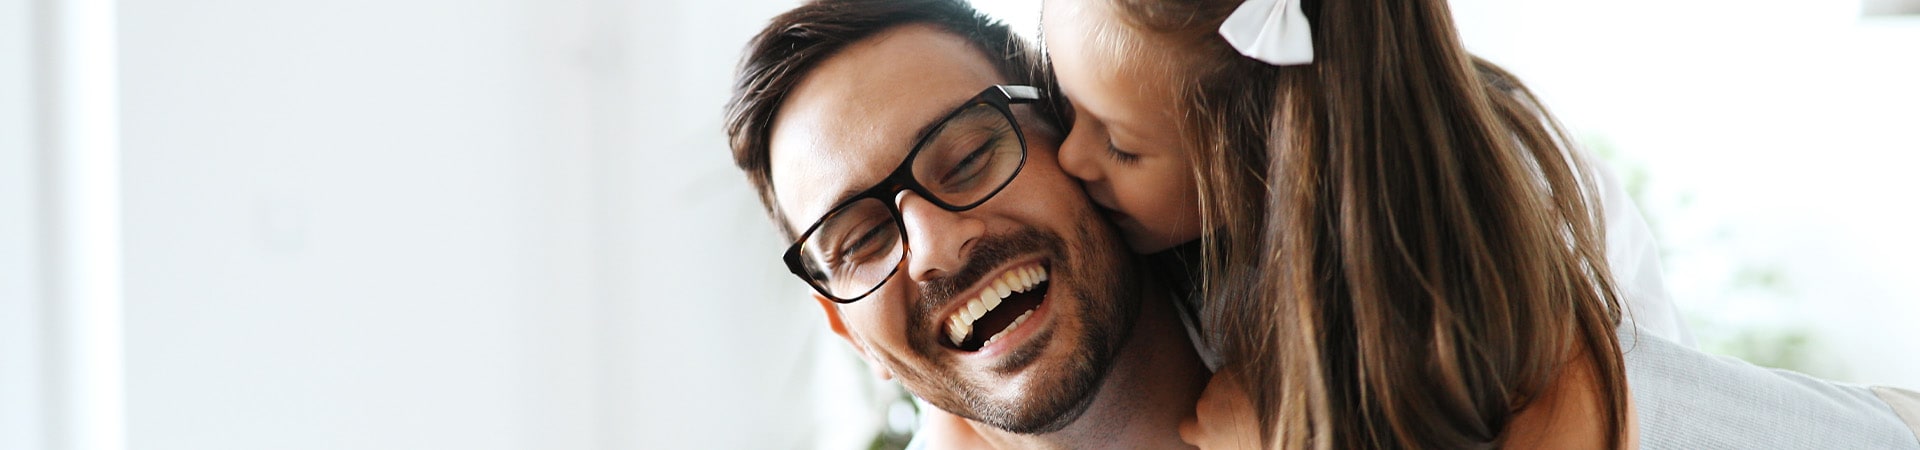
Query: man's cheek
{"x":869,"y":324}
{"x":1048,"y":198}
{"x":883,"y":318}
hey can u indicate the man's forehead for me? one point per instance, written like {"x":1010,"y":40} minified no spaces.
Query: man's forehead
{"x":855,"y":116}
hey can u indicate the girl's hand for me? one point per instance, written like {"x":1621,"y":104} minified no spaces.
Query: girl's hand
{"x":1224,"y":418}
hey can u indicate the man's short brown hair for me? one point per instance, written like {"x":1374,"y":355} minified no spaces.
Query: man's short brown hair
{"x":795,"y":42}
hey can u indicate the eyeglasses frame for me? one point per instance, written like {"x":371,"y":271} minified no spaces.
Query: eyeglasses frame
{"x":1000,"y":97}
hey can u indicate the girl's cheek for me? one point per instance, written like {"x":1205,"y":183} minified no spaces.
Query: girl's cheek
{"x":1148,"y":221}
{"x":1169,"y":207}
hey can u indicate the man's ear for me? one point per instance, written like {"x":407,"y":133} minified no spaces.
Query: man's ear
{"x":833,"y":318}
{"x":839,"y":327}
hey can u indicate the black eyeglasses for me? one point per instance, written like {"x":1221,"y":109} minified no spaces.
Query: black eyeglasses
{"x":970,"y":155}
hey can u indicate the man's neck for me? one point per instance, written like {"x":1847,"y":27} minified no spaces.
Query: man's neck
{"x":1155,"y":381}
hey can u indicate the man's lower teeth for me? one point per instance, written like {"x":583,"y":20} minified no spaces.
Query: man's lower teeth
{"x":1010,"y":327}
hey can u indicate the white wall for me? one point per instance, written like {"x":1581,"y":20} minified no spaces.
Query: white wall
{"x":359,"y":224}
{"x":442,"y":224}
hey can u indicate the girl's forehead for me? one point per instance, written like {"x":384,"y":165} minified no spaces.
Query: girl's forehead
{"x":1104,"y":68}
{"x":1096,"y":29}
{"x":1079,"y":55}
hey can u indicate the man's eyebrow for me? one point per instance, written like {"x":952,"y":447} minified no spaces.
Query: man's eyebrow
{"x":918,"y":136}
{"x":841,"y":198}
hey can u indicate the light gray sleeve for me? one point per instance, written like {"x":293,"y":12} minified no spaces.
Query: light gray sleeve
{"x":1686,"y":399}
{"x":1634,"y":258}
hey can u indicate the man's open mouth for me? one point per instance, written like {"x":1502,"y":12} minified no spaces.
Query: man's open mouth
{"x":999,"y":308}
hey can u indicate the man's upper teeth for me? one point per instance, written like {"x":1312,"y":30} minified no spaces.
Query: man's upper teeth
{"x":1017,"y":280}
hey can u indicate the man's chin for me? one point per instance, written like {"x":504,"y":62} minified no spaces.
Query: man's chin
{"x":1054,"y":378}
{"x":1055,"y":374}
{"x":1029,"y":409}
{"x":1063,"y":410}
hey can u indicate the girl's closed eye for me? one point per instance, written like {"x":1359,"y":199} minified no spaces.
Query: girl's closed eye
{"x":1121,"y":156}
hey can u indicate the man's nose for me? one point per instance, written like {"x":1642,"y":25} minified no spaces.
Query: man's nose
{"x":937,"y":239}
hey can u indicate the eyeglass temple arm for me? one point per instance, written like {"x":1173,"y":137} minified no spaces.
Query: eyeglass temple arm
{"x":1020,"y":92}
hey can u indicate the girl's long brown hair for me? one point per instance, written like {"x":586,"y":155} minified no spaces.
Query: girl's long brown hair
{"x":1425,"y":255}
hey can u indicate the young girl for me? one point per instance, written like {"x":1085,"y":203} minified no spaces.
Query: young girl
{"x":1425,"y":263}
{"x":1397,"y":246}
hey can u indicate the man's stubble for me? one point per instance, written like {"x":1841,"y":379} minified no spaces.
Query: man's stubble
{"x":1108,"y":303}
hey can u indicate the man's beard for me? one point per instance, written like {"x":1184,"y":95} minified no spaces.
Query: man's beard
{"x":1107,"y":307}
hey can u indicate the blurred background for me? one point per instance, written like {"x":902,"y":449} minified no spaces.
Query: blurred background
{"x":411,"y":224}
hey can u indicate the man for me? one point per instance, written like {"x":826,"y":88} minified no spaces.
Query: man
{"x":897,"y":143}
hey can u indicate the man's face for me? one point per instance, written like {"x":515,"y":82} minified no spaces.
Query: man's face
{"x":846,"y":127}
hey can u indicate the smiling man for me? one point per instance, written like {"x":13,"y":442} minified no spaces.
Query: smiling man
{"x":901,"y":148}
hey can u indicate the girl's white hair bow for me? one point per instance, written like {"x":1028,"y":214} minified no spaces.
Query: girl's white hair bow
{"x":1272,"y":31}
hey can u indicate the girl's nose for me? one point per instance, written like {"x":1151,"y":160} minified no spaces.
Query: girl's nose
{"x":1079,"y":153}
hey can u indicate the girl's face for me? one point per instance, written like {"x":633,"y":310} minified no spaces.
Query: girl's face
{"x":1124,"y":145}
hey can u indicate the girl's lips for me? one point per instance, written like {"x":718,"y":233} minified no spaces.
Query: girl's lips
{"x":1101,"y":196}
{"x":1118,"y":218}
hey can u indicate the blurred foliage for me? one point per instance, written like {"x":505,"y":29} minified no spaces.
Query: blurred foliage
{"x":1781,"y":341}
{"x":903,"y":418}
{"x":1788,"y":348}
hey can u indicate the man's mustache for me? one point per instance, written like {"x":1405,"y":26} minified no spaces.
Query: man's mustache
{"x":989,"y":253}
